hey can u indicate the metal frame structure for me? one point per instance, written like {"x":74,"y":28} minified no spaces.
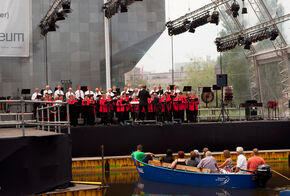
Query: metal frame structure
{"x":57,"y":123}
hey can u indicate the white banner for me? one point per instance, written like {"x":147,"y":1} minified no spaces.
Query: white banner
{"x":14,"y":28}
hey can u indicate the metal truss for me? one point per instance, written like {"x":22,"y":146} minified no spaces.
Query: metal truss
{"x":51,"y":10}
{"x":201,"y":10}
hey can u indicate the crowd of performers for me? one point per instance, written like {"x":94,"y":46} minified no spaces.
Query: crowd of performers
{"x":129,"y":104}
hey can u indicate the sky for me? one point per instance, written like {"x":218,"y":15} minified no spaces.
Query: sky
{"x":188,"y":45}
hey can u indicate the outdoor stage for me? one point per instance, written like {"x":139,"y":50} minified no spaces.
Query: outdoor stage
{"x":38,"y":162}
{"x":122,"y":140}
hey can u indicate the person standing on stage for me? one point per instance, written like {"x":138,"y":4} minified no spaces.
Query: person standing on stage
{"x":160,"y":91}
{"x":178,"y":107}
{"x":89,"y":92}
{"x":58,"y":92}
{"x":192,"y":107}
{"x":36,"y":96}
{"x":143,"y":101}
{"x":109,"y":93}
{"x":69,"y":93}
{"x":47,"y":91}
{"x":79,"y":93}
{"x":154,"y":90}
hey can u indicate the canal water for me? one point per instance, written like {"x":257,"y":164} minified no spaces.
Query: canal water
{"x":128,"y":183}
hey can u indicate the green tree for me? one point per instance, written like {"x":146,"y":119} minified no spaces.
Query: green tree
{"x":200,"y":73}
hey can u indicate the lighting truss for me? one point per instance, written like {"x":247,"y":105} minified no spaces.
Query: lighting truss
{"x":190,"y":24}
{"x":58,"y":11}
{"x":251,"y":35}
{"x":113,"y":7}
{"x":204,"y":9}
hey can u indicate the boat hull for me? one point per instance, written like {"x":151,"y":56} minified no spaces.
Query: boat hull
{"x":161,"y":174}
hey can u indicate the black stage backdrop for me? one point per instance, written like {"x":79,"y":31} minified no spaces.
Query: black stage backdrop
{"x":34,"y":164}
{"x":122,"y":140}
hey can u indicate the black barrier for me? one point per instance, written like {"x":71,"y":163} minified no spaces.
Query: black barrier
{"x":122,"y":140}
{"x":30,"y":165}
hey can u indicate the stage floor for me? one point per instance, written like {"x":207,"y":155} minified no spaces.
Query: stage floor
{"x":14,"y":132}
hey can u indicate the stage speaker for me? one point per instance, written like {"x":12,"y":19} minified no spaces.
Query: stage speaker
{"x":222,"y":80}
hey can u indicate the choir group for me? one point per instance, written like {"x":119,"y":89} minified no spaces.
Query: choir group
{"x":162,"y":105}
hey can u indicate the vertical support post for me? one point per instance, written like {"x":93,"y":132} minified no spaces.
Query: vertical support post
{"x":42,"y":117}
{"x":54,"y":116}
{"x":46,"y":64}
{"x":107,"y":50}
{"x":37,"y":118}
{"x":172,"y":60}
{"x":68,"y":118}
{"x":48,"y":120}
{"x":103,"y":166}
{"x":58,"y":111}
{"x":22,"y":114}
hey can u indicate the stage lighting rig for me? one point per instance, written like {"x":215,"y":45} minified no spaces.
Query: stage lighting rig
{"x":235,"y":9}
{"x":58,"y":11}
{"x":113,"y":7}
{"x":247,"y":40}
{"x":190,"y":24}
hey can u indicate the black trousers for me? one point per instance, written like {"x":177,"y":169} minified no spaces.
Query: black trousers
{"x":140,"y":110}
{"x":195,"y":113}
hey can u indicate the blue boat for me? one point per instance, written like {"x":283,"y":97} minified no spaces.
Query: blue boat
{"x":167,"y":175}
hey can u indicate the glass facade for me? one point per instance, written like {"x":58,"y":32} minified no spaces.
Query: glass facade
{"x":76,"y":51}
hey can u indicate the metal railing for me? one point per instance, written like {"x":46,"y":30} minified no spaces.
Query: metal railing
{"x":44,"y":111}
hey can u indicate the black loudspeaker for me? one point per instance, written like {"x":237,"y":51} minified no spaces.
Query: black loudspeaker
{"x":222,"y":80}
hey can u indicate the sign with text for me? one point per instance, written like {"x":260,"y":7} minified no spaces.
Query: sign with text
{"x":14,"y":28}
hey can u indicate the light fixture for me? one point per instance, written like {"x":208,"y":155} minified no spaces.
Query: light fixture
{"x":235,"y":9}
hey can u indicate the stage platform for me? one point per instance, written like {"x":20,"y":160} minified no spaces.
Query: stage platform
{"x":122,"y":140}
{"x":38,"y":162}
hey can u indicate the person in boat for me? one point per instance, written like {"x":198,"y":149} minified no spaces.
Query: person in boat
{"x":198,"y":159}
{"x":209,"y":162}
{"x":168,"y":158}
{"x":192,"y":161}
{"x":142,"y":156}
{"x":205,"y":149}
{"x":255,"y":161}
{"x":228,"y":164}
{"x":179,"y":161}
{"x":241,"y":161}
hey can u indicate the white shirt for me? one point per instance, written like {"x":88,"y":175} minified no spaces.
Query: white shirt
{"x":34,"y":96}
{"x":47,"y":92}
{"x":58,"y":92}
{"x":153,"y":91}
{"x":69,"y":94}
{"x":107,"y":94}
{"x":79,"y":94}
{"x":242,"y":162}
{"x":177,"y":91}
{"x":96,"y":94}
{"x":129,"y":90}
{"x":89,"y":93}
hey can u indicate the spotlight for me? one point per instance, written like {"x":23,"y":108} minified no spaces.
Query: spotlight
{"x":66,"y":6}
{"x":244,"y":10}
{"x":191,"y":30}
{"x":60,"y":15}
{"x":124,"y":9}
{"x":248,"y":44}
{"x":274,"y":34}
{"x":215,"y":17}
{"x":235,"y":9}
{"x":240,"y":40}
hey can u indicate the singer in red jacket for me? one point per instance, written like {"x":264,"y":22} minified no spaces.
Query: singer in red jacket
{"x":193,"y":107}
{"x":179,"y":105}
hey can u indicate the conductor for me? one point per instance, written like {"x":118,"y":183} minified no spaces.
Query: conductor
{"x":143,"y":101}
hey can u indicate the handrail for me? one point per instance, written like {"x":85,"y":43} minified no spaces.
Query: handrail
{"x":40,"y":114}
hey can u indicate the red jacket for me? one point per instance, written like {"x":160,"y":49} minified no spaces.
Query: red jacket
{"x":164,"y":104}
{"x":135,"y":107}
{"x":151,"y":106}
{"x":86,"y":102}
{"x":193,"y":105}
{"x":122,"y":107}
{"x":72,"y":101}
{"x":103,"y":105}
{"x":181,"y":105}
